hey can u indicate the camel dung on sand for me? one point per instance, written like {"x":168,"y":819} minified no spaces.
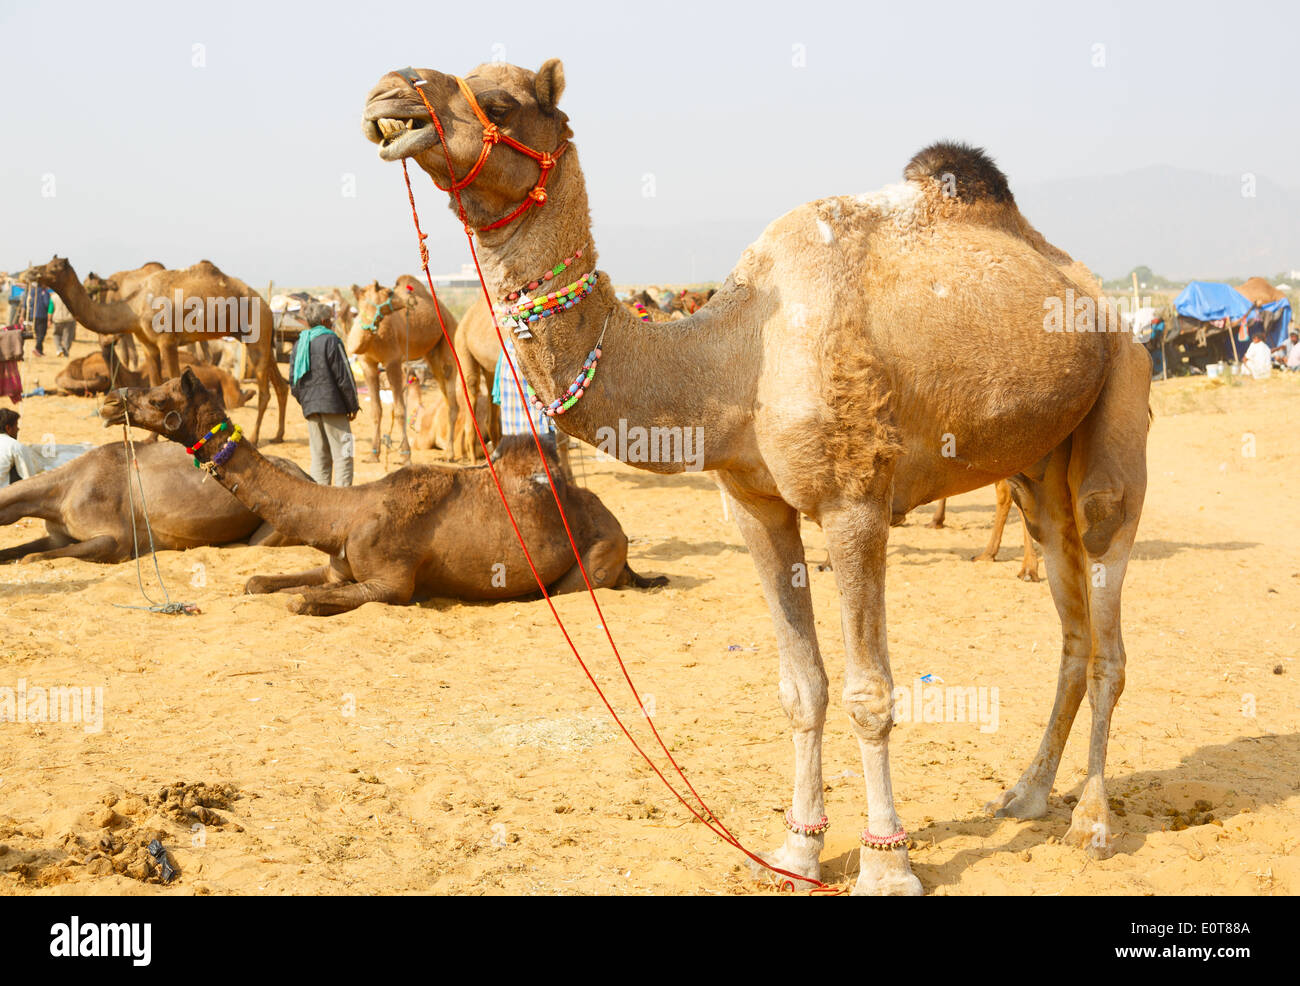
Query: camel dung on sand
{"x":168,"y":308}
{"x":87,"y":507}
{"x":394,"y":325}
{"x":824,"y":378}
{"x":422,"y":531}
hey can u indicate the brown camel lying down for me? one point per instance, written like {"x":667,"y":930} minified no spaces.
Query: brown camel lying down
{"x":87,"y":375}
{"x":87,"y":510}
{"x":435,"y":530}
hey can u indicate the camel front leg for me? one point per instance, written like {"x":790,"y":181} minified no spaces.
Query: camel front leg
{"x":771,"y":531}
{"x":370,"y":370}
{"x":268,"y":375}
{"x":857,"y":535}
{"x":330,"y":600}
{"x":105,"y":548}
{"x":169,"y":351}
{"x":464,"y":444}
{"x":19,"y":551}
{"x":260,"y":584}
{"x":394,"y":371}
{"x":940,"y":514}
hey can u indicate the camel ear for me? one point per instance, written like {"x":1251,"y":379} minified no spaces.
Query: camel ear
{"x":356,"y":291}
{"x":550,"y":84}
{"x":190,"y":385}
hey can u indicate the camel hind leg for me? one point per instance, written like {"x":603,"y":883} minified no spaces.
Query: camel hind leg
{"x":1084,"y":510}
{"x":268,"y":376}
{"x":1108,"y":481}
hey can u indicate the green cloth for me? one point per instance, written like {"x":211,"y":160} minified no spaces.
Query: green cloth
{"x":302,"y":352}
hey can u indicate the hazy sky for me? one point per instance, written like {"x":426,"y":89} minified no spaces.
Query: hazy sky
{"x":739,"y":112}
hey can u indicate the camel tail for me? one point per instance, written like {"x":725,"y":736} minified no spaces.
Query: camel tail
{"x":966,"y":173}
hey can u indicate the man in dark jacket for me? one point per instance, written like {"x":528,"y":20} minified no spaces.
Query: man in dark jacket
{"x":322,"y":383}
{"x":40,"y":304}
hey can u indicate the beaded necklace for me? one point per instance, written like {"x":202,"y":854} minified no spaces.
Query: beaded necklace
{"x":641,"y":311}
{"x":518,"y":316}
{"x":554,"y":272}
{"x":579,"y":385}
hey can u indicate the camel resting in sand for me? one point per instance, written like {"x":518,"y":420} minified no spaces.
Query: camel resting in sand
{"x":87,"y":509}
{"x":434,"y":530}
{"x":88,"y":375}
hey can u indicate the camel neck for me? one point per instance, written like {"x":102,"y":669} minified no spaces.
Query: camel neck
{"x":297,"y":508}
{"x":106,"y":318}
{"x":681,"y":382}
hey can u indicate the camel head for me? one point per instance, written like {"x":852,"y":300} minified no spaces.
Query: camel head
{"x":521,"y":103}
{"x":180,"y":409}
{"x":98,"y":287}
{"x":374,"y":304}
{"x":52,"y":274}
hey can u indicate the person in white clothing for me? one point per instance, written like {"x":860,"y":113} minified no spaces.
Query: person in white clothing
{"x":16,"y":459}
{"x":1258,"y":358}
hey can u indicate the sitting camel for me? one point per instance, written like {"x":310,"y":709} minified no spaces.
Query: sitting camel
{"x":1002,"y":489}
{"x":88,"y":375}
{"x":428,"y":420}
{"x":435,"y":530}
{"x":87,"y":508}
{"x":394,"y":325}
{"x":477,"y":349}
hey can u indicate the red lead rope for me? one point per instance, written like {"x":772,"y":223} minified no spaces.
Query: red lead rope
{"x":705,"y":814}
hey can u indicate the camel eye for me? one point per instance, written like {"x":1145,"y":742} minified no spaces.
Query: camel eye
{"x":497,"y":104}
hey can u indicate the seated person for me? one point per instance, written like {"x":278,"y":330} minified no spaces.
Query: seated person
{"x":19,"y":461}
{"x":1258,"y":359}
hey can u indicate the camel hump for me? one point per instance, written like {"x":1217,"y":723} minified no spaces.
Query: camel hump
{"x":967,"y":173}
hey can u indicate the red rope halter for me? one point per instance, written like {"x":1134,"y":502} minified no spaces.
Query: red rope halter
{"x":492,"y":135}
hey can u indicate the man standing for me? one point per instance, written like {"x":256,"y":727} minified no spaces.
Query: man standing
{"x":38,"y":296}
{"x":322,"y":383}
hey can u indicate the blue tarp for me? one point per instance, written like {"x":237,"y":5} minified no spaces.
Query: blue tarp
{"x":1208,"y":302}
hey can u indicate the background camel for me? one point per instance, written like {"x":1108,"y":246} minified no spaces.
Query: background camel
{"x":87,"y":508}
{"x":150,"y":313}
{"x":89,"y":374}
{"x":394,"y":325}
{"x":428,"y":418}
{"x":825,"y":379}
{"x":418,"y":532}
{"x":478,"y":350}
{"x":1002,"y":489}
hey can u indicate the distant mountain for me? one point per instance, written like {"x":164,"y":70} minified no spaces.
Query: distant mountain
{"x":1182,"y":223}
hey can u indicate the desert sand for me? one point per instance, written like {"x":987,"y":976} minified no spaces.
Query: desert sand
{"x":452,"y":748}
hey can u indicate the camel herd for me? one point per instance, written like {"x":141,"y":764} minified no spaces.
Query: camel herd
{"x":824,"y":377}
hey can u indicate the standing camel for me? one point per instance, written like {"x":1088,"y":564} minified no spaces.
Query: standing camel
{"x":394,"y":325}
{"x":825,"y":379}
{"x":1002,"y":490}
{"x":211,"y":305}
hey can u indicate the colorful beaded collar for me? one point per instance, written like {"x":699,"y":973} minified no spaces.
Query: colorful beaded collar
{"x":579,"y":386}
{"x":518,"y":316}
{"x":551,"y":274}
{"x":223,"y":454}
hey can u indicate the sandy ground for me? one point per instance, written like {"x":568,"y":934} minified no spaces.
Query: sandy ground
{"x":458,"y":748}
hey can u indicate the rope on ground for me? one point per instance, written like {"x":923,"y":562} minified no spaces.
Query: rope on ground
{"x":168,"y":606}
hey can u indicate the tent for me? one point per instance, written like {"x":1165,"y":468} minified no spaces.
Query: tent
{"x":1207,"y":301}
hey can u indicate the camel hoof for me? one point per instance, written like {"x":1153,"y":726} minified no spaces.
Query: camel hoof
{"x":256,"y":586}
{"x":1091,"y":827}
{"x":983,"y":556}
{"x":1017,"y":802}
{"x":300,"y":606}
{"x":805,"y":863}
{"x":1027,"y":576}
{"x":886,"y":874}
